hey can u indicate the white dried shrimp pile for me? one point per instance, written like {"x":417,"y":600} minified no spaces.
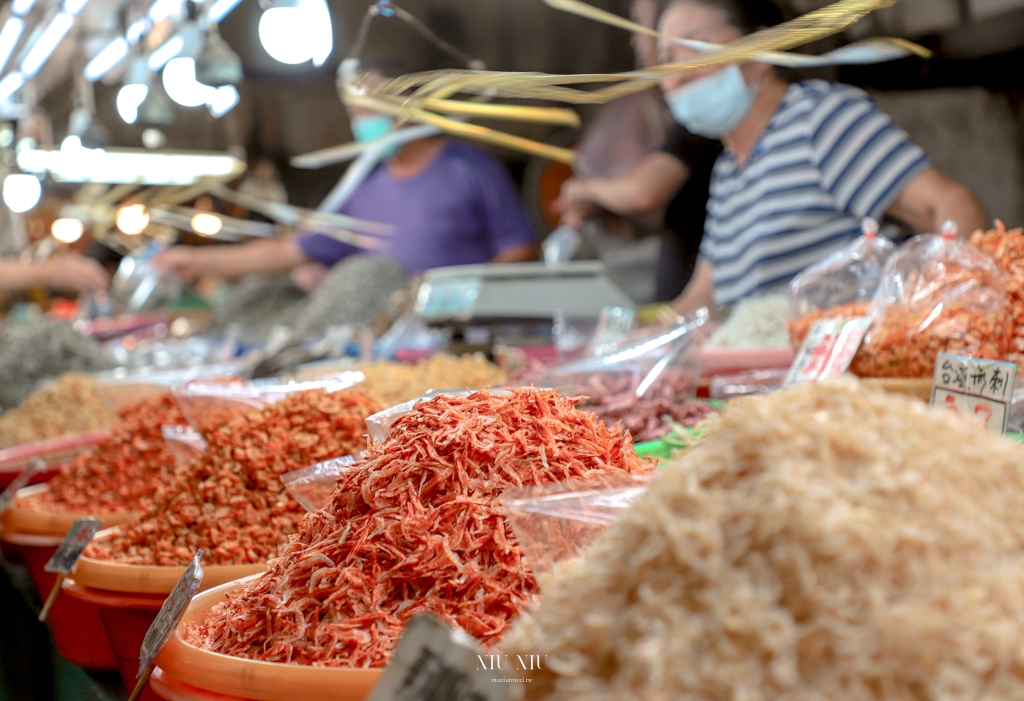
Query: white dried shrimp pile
{"x":827,"y":542}
{"x":415,"y":528}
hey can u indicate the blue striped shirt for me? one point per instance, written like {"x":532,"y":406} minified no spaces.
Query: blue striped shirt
{"x":828,"y":158}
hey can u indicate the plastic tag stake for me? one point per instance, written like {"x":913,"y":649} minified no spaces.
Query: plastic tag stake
{"x":64,"y":560}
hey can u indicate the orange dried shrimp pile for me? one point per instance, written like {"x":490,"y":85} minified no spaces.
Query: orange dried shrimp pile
{"x":123,"y":470}
{"x":799,"y":328}
{"x":414,"y":528}
{"x":231,"y":501}
{"x":1007,"y":247}
{"x":952,"y":317}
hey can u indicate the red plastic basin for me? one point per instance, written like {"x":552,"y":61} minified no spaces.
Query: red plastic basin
{"x":77,"y":630}
{"x":125,"y":618}
{"x":170,"y":689}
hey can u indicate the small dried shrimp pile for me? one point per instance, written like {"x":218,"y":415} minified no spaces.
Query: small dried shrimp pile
{"x":69,"y":404}
{"x":799,"y":328}
{"x":231,"y":502}
{"x":413,"y":528}
{"x":1007,"y":247}
{"x":824,"y":542}
{"x":123,"y":470}
{"x":394,"y":383}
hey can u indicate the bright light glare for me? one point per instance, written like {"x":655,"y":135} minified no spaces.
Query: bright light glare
{"x":9,"y":36}
{"x":162,"y":9}
{"x":320,"y":33}
{"x":22,"y":7}
{"x":132,"y":219}
{"x":22,"y":192}
{"x":137,"y":30}
{"x":220,"y":9}
{"x":223,"y":101}
{"x":128,"y":100}
{"x":75,"y":6}
{"x":67,"y":230}
{"x":51,"y":37}
{"x":110,"y":56}
{"x":285,"y":33}
{"x":70,"y":143}
{"x":141,"y":167}
{"x":168,"y":50}
{"x":10,"y":85}
{"x":181,"y":84}
{"x":207,"y":224}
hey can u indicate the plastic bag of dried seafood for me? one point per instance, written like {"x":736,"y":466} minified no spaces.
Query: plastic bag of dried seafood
{"x":184,"y":442}
{"x":638,"y":383}
{"x":828,"y":541}
{"x":555,"y":522}
{"x":840,"y":285}
{"x":939,"y":294}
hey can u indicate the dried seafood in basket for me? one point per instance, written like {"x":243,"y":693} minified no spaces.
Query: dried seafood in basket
{"x":824,"y":542}
{"x":415,"y":527}
{"x":939,"y":294}
{"x":1007,"y":247}
{"x":69,"y":404}
{"x":231,"y":502}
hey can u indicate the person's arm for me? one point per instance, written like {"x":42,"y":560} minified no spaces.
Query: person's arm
{"x":932,"y":198}
{"x":699,"y":292}
{"x":264,"y":256}
{"x":71,"y":272}
{"x":518,"y":254}
{"x":644,"y":188}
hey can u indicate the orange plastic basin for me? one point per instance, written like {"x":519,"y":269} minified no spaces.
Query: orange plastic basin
{"x":26,"y":516}
{"x":76,"y":626}
{"x":171,"y":689}
{"x":252,"y":680}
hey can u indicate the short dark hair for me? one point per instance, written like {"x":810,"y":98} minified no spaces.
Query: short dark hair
{"x":747,"y":16}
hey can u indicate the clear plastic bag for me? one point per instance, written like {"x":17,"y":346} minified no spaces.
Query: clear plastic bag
{"x":312,"y":486}
{"x":184,"y":442}
{"x":840,"y":285}
{"x":203,"y":402}
{"x":752,"y":382}
{"x":379,"y":425}
{"x":555,"y":522}
{"x":939,"y":294}
{"x":638,"y":383}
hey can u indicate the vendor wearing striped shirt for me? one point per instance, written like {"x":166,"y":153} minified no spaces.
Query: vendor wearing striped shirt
{"x":802,"y":164}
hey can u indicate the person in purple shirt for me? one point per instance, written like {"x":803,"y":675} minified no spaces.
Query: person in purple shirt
{"x":449,"y":203}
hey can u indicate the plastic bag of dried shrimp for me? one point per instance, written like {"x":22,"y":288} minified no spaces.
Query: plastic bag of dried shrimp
{"x":639,"y":383}
{"x":555,"y":522}
{"x":939,"y":294}
{"x":840,"y":285}
{"x":1007,"y":247}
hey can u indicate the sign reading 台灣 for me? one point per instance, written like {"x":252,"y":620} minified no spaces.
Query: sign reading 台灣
{"x":979,"y":388}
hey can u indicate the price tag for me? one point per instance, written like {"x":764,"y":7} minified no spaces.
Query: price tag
{"x":35,"y":466}
{"x":979,"y":388}
{"x":828,"y":349}
{"x":170,"y":613}
{"x":435,"y":662}
{"x":78,"y":537}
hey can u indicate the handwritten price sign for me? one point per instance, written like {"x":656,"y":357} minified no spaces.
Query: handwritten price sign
{"x":828,"y":349}
{"x":979,"y":388}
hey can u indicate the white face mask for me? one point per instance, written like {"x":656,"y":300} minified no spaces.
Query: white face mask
{"x":714,"y":105}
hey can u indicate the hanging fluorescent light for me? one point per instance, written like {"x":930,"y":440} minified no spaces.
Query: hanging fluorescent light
{"x":223,"y":101}
{"x":9,"y":37}
{"x":296,"y":31}
{"x":10,"y":85}
{"x":47,"y":42}
{"x":162,"y":9}
{"x":22,"y":192}
{"x":188,"y":43}
{"x":22,"y":7}
{"x":220,"y":9}
{"x":111,"y":55}
{"x":73,"y":7}
{"x":136,"y":30}
{"x":168,"y":50}
{"x":129,"y":98}
{"x":67,"y":230}
{"x":78,"y":164}
{"x":179,"y":81}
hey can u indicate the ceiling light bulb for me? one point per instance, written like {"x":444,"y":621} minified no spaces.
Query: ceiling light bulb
{"x":181,"y":85}
{"x":284,"y":34}
{"x":207,"y":224}
{"x":132,"y":219}
{"x":22,"y":192}
{"x":128,"y":100}
{"x":67,"y":230}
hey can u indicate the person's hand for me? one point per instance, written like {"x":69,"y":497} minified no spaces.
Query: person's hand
{"x":574,"y":204}
{"x":183,"y":261}
{"x":73,"y":272}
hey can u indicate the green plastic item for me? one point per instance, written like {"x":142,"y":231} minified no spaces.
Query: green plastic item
{"x":653,"y":449}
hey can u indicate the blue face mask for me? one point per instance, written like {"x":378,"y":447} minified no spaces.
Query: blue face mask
{"x":370,"y":127}
{"x":714,"y":105}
